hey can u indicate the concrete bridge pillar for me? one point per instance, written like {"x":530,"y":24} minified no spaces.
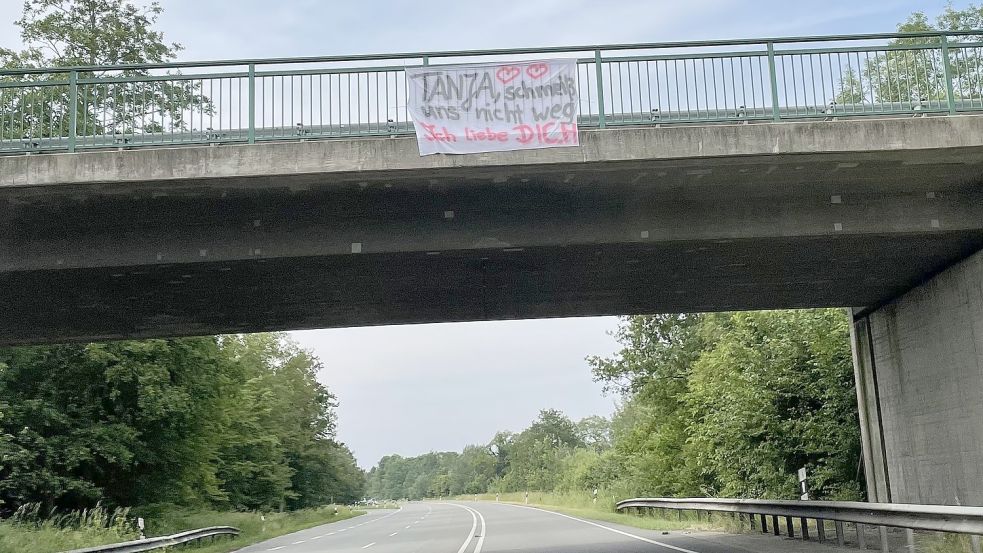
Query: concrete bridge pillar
{"x":919,"y":370}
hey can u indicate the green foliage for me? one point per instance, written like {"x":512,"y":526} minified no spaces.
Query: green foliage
{"x":918,"y":76}
{"x":31,"y":529}
{"x":236,"y":422}
{"x":747,"y":400}
{"x":72,"y":33}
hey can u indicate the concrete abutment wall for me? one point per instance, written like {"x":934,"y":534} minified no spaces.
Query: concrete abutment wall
{"x":919,"y":368}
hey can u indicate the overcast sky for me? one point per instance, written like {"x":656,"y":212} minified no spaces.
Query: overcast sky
{"x":413,"y":389}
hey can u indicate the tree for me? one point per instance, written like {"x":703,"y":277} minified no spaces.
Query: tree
{"x":121,"y":422}
{"x":233,"y":422}
{"x":72,"y":33}
{"x":595,"y":432}
{"x":917,"y":76}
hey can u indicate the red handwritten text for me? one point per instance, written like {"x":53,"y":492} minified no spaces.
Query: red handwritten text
{"x":547,"y":133}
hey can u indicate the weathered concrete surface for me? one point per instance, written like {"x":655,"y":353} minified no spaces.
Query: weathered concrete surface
{"x":920,"y":365}
{"x":365,"y":231}
{"x":859,"y":138}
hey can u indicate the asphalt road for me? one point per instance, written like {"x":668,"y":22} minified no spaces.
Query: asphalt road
{"x":482,"y":527}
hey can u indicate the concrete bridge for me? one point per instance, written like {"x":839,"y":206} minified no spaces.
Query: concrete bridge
{"x":883,"y":215}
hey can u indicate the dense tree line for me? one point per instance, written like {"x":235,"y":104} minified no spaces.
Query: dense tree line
{"x":727,"y":404}
{"x":231,"y":422}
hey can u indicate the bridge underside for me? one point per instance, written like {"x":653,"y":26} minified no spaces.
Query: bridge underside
{"x":334,"y":291}
{"x":98,"y":257}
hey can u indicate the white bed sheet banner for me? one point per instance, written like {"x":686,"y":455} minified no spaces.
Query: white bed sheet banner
{"x":493,"y":107}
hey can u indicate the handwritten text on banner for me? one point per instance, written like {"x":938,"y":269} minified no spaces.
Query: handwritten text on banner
{"x":463,"y":109}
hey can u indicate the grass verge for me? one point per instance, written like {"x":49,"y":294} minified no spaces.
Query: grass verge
{"x":71,"y":531}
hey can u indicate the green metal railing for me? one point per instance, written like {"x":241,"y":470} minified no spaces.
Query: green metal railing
{"x":73,"y":108}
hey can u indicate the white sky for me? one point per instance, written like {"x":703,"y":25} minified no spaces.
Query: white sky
{"x":413,"y":389}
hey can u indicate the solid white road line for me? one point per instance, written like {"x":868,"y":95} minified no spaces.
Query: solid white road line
{"x":393,"y":534}
{"x":298,"y":542}
{"x":368,"y":546}
{"x":481,"y":534}
{"x":475,"y":515}
{"x":275,"y":548}
{"x":609,"y":529}
{"x":474,"y":524}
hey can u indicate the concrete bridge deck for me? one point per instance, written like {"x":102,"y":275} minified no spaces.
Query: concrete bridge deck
{"x":208,"y":239}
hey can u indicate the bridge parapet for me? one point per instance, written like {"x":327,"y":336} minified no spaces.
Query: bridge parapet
{"x":729,"y":81}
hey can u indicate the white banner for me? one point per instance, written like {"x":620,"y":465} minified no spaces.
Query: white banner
{"x":463,"y":109}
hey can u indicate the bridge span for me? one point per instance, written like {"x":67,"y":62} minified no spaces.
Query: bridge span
{"x":751,"y":201}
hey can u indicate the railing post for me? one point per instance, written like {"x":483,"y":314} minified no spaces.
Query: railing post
{"x":252,"y":103}
{"x":73,"y":109}
{"x":600,"y":89}
{"x":947,"y":73}
{"x":776,"y":113}
{"x":426,"y":61}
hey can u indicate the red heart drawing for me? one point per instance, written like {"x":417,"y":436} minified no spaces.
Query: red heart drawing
{"x":507,"y":73}
{"x":537,"y":70}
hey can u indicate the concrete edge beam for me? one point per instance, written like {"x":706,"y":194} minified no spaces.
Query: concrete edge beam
{"x":397,"y":154}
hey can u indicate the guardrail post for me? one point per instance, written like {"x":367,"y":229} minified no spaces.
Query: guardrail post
{"x":790,"y":527}
{"x":776,"y":113}
{"x":764,"y":524}
{"x":600,"y":89}
{"x":73,"y":109}
{"x":820,"y":530}
{"x":974,"y":544}
{"x":251,"y":102}
{"x":804,"y":524}
{"x":840,"y":538}
{"x":910,"y":539}
{"x":861,"y":536}
{"x":775,"y":526}
{"x":883,"y":532}
{"x":947,"y":72}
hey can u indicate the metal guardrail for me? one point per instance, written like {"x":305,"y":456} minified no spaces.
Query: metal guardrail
{"x":161,"y":542}
{"x":936,"y":518}
{"x":250,"y":100}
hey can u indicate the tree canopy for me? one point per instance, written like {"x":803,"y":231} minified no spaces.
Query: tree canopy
{"x":236,"y":422}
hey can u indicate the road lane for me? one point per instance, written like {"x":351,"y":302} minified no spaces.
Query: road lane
{"x":415,"y":528}
{"x":485,"y":527}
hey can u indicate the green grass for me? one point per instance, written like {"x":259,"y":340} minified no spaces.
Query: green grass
{"x":98,"y":527}
{"x":28,"y":530}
